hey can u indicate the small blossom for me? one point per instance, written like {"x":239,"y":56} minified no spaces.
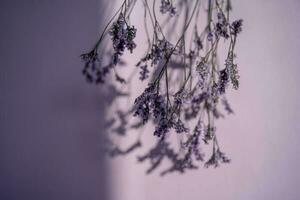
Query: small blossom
{"x":161,"y":50}
{"x":151,"y":103}
{"x":181,"y":97}
{"x":160,"y":113}
{"x":130,"y":35}
{"x":158,"y":106}
{"x":163,"y":126}
{"x":214,"y":93}
{"x":122,"y":36}
{"x":179,"y":127}
{"x":167,"y":6}
{"x":236,"y":27}
{"x":232,"y":71}
{"x":210,"y":36}
{"x":142,"y":103}
{"x":199,"y":127}
{"x":198,"y":42}
{"x":144,"y":73}
{"x":202,"y":70}
{"x":223,"y":81}
{"x":221,"y":27}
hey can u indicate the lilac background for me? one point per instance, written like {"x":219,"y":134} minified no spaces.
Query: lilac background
{"x":262,"y":138}
{"x":50,"y":119}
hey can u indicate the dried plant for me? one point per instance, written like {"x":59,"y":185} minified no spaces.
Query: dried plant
{"x":172,"y":105}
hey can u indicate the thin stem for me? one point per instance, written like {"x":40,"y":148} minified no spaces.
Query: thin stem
{"x":173,"y":49}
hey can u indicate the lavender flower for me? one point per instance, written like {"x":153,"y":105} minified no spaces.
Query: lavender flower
{"x":158,"y":107}
{"x":180,"y":127}
{"x":167,"y":6}
{"x":232,"y":71}
{"x":142,"y":103}
{"x":180,"y":97}
{"x":221,"y":28}
{"x":160,"y":114}
{"x":162,"y":128}
{"x":144,"y":73}
{"x":236,"y":27}
{"x":210,"y":37}
{"x":122,"y":36}
{"x":150,"y":102}
{"x":130,"y":35}
{"x":160,"y":51}
{"x":223,"y":81}
{"x":202,"y":70}
{"x":198,"y":42}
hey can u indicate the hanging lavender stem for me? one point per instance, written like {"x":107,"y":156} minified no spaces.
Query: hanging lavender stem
{"x":189,"y":106}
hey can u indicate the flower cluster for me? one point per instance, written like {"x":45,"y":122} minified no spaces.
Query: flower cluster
{"x":221,"y":28}
{"x":223,"y":81}
{"x":142,"y":103}
{"x":167,"y":7}
{"x":180,"y":127}
{"x":203,"y":71}
{"x":232,"y":71}
{"x":236,"y":27}
{"x":151,"y":103}
{"x":122,"y":36}
{"x":160,"y":51}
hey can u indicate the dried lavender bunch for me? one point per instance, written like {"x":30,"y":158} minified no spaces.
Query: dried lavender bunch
{"x":122,"y":37}
{"x":187,"y":85}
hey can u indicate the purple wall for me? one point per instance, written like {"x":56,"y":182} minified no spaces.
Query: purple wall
{"x":50,"y":119}
{"x":262,"y":138}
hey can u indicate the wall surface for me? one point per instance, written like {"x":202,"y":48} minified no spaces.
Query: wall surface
{"x":262,"y":138}
{"x":51,"y":121}
{"x":50,"y":118}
